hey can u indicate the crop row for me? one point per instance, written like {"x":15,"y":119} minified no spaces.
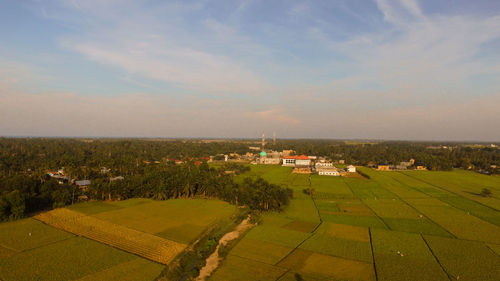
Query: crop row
{"x":146,"y":245}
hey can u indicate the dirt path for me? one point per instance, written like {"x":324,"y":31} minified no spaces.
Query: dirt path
{"x":213,"y":260}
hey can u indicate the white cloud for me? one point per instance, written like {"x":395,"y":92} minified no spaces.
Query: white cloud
{"x":158,"y":46}
{"x":277,"y":115}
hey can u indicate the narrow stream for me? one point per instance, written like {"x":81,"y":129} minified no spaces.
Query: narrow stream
{"x":213,"y":260}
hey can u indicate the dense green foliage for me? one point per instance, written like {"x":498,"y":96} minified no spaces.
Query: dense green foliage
{"x":436,"y":156}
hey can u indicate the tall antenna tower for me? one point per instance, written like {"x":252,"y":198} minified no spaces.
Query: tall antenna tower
{"x":263,"y":140}
{"x":274,"y":137}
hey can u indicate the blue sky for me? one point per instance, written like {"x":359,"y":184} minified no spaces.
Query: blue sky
{"x":378,"y":69}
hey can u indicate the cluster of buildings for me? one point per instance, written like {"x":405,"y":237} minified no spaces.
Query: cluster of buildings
{"x":302,"y":164}
{"x":401,"y":166}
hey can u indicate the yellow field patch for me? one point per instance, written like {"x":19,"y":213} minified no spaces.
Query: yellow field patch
{"x":4,"y":252}
{"x":325,"y":267}
{"x":239,"y":269}
{"x":134,"y":270}
{"x":260,"y":250}
{"x":130,"y":240}
{"x":350,"y":232}
{"x":358,"y":210}
{"x":302,"y":226}
{"x":296,"y":259}
{"x":338,"y":269}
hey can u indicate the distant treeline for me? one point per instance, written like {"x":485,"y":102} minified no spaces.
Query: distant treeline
{"x":84,"y":158}
{"x":149,"y":171}
{"x":22,"y":194}
{"x":435,"y":156}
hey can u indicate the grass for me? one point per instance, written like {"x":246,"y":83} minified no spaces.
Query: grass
{"x":158,"y":216}
{"x":278,"y":235}
{"x":325,"y":267}
{"x":16,"y":236}
{"x":399,"y":210}
{"x":134,"y":270}
{"x":420,"y":225}
{"x":483,"y":212}
{"x":404,"y":256}
{"x":65,"y":260}
{"x":94,"y":207}
{"x":366,"y":221}
{"x":294,"y":276}
{"x":302,"y":226}
{"x":391,"y":208}
{"x":143,"y":244}
{"x":236,"y":268}
{"x":465,"y":260}
{"x":330,"y":186}
{"x":368,"y":189}
{"x":455,"y":220}
{"x":301,"y":209}
{"x":345,"y":231}
{"x":327,"y":205}
{"x":183,"y":233}
{"x":261,"y":251}
{"x":339,"y":247}
{"x":465,"y":184}
{"x":339,"y":240}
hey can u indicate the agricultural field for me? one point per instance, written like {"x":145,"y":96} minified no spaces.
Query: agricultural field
{"x":392,"y":226}
{"x":122,"y":240}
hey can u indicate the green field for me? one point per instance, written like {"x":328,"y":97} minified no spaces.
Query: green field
{"x":392,"y":226}
{"x":412,"y":225}
{"x":32,"y":250}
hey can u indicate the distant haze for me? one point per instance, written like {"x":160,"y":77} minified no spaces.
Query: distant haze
{"x":381,"y":69}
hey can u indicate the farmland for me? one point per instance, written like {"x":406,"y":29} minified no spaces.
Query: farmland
{"x":413,"y":225}
{"x":122,"y":240}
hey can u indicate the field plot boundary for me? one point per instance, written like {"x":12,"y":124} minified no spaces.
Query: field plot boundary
{"x":449,"y":191}
{"x":133,"y":241}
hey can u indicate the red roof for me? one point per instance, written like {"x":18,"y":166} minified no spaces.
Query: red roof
{"x":301,"y":157}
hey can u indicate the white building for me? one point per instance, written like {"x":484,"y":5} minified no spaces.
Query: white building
{"x":289,"y":161}
{"x":292,"y":161}
{"x":351,"y":169}
{"x":323,"y":164}
{"x":328,"y":172}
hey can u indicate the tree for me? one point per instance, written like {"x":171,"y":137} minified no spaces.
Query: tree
{"x":485,"y":192}
{"x":17,"y":204}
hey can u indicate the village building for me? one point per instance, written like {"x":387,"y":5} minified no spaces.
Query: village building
{"x":420,"y":166}
{"x":323,"y":164}
{"x":328,"y":171}
{"x":351,"y":169}
{"x":116,"y":178}
{"x":289,"y":161}
{"x":383,"y":168}
{"x":83,"y":184}
{"x":293,"y":161}
{"x":302,"y":170}
{"x":271,"y":158}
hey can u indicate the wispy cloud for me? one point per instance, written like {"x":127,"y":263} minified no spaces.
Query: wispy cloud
{"x":276,"y":115}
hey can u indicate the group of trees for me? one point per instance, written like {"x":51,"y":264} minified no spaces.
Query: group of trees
{"x":435,"y":156}
{"x":163,"y":182}
{"x":22,"y":194}
{"x":149,"y":171}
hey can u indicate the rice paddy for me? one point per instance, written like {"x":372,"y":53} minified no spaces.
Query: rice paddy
{"x":393,"y":226}
{"x":96,"y":240}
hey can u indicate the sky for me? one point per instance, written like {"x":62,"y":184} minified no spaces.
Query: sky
{"x":343,"y":69}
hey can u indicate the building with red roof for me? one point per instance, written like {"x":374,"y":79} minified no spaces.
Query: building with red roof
{"x":293,"y":161}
